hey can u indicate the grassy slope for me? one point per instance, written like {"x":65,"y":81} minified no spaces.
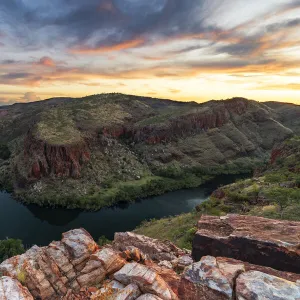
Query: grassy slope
{"x":275,"y":193}
{"x":118,"y":170}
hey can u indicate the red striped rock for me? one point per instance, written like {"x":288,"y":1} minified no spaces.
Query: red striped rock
{"x":147,"y":280}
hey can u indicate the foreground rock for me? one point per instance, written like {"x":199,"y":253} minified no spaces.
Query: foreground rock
{"x":224,"y":278}
{"x":71,"y":268}
{"x":257,"y":285}
{"x":260,"y":241}
{"x":75,"y":268}
{"x":155,"y":249}
{"x":12,"y":289}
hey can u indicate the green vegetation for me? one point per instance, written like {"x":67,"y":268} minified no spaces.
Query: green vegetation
{"x":10,"y":248}
{"x":180,"y":229}
{"x":100,"y":150}
{"x":274,"y":194}
{"x":21,"y":276}
{"x":103,"y":240}
{"x":4,"y":152}
{"x":58,"y":128}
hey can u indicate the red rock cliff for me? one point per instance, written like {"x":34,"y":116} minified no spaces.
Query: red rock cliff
{"x":43,"y":159}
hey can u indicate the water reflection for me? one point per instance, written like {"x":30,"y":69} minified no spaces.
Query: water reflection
{"x":38,"y":225}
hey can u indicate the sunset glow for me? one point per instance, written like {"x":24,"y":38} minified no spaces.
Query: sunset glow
{"x":186,"y":50}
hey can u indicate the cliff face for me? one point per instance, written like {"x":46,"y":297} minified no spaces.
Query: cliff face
{"x":104,"y":140}
{"x":43,"y":159}
{"x":177,"y":127}
{"x":138,"y":267}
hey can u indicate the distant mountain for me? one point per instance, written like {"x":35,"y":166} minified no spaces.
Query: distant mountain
{"x":93,"y":151}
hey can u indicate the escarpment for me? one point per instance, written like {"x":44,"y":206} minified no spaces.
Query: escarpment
{"x":138,"y":267}
{"x":103,"y":142}
{"x":191,"y":122}
{"x":44,"y":159}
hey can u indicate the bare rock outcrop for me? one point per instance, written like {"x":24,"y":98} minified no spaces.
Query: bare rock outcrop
{"x":259,"y":241}
{"x":13,"y":289}
{"x":76,"y":268}
{"x":209,"y":280}
{"x":155,"y":249}
{"x":72,"y":268}
{"x":257,"y":285}
{"x":226,"y":278}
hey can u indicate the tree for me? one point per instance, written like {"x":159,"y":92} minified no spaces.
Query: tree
{"x":9,"y":248}
{"x":4,"y":152}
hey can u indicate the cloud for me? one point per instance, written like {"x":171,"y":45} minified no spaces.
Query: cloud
{"x":116,"y":47}
{"x":46,"y":61}
{"x":30,"y":97}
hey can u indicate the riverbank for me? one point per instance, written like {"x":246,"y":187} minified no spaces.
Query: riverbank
{"x":40,"y":225}
{"x":112,"y":193}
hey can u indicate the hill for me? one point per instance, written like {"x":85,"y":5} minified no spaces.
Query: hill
{"x":94,"y":151}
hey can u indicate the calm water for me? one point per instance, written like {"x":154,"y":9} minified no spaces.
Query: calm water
{"x":37,"y":225}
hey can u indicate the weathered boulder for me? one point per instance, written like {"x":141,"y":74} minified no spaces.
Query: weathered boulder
{"x":130,"y":292}
{"x":51,"y":271}
{"x":260,"y":286}
{"x":225,"y":264}
{"x":209,"y":280}
{"x":168,"y":275}
{"x":147,"y":280}
{"x":110,"y":259}
{"x":80,"y":245}
{"x":155,"y":249}
{"x":13,"y":289}
{"x":266,"y":242}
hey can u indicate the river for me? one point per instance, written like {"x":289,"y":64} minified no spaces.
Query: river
{"x":40,"y":226}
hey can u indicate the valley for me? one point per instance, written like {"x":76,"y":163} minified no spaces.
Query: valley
{"x":99,"y":150}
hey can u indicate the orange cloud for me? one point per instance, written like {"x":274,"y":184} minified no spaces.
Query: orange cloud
{"x":117,"y":47}
{"x":46,"y":61}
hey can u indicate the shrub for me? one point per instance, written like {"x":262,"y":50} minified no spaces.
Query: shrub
{"x":21,"y":276}
{"x":103,"y":240}
{"x":9,"y":248}
{"x":4,"y":152}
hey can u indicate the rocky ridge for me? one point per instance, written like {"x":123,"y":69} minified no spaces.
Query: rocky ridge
{"x":102,"y":142}
{"x":138,"y":267}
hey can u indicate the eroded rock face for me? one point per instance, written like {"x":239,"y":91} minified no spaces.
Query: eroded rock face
{"x":257,"y":285}
{"x":43,"y":159}
{"x":208,"y":279}
{"x":147,"y":280}
{"x":12,"y":289}
{"x":153,"y":248}
{"x":71,"y":268}
{"x":75,"y":268}
{"x":260,"y":241}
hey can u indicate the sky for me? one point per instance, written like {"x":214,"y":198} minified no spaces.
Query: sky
{"x":188,"y":50}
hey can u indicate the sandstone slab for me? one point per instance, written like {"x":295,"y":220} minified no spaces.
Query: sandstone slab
{"x":261,"y":286}
{"x":147,"y":280}
{"x":266,"y":242}
{"x":209,"y":280}
{"x":155,"y":249}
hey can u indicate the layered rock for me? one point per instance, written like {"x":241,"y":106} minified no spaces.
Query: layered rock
{"x":71,"y":268}
{"x":225,"y":278}
{"x":257,"y":285}
{"x":153,"y":248}
{"x":43,"y":159}
{"x":260,"y":241}
{"x":75,"y":268}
